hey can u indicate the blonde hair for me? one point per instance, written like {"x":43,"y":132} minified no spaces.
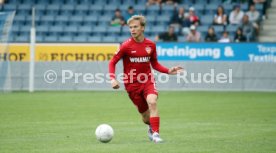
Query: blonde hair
{"x":140,"y":18}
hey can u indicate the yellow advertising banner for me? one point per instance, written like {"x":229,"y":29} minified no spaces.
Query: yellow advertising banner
{"x":60,"y":52}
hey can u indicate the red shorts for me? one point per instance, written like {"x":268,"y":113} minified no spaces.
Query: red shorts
{"x":138,"y":93}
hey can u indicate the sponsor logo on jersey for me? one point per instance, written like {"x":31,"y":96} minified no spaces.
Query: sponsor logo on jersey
{"x":139,"y":59}
{"x":148,"y":49}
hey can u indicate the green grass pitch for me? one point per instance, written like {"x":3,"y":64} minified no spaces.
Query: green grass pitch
{"x":191,"y":122}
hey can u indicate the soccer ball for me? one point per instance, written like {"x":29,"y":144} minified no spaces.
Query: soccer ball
{"x":104,"y":133}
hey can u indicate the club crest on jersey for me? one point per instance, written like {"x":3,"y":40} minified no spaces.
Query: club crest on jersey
{"x":148,"y":49}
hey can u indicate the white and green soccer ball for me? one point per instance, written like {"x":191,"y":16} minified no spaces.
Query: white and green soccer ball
{"x":104,"y":133}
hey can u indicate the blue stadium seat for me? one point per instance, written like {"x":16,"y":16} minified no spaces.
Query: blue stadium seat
{"x":94,"y":39}
{"x":199,"y":9}
{"x":42,"y":2}
{"x":81,"y":10}
{"x":80,"y":38}
{"x":259,"y":7}
{"x":90,"y":20}
{"x":114,"y":2}
{"x":164,"y":20}
{"x":203,"y":28}
{"x":25,"y":28}
{"x":19,"y":19}
{"x":207,"y":19}
{"x":140,"y":9}
{"x":30,"y":2}
{"x":47,"y":20}
{"x":109,"y":39}
{"x":100,"y":2}
{"x":53,"y":9}
{"x":114,"y":30}
{"x":125,"y":30}
{"x":22,"y":38}
{"x":61,"y":20}
{"x":141,"y":2}
{"x":153,"y":9}
{"x":71,"y":29}
{"x":15,"y":31}
{"x":244,"y":7}
{"x":167,"y":9}
{"x":69,"y":2}
{"x":211,"y":9}
{"x":124,"y":8}
{"x":218,"y":28}
{"x":216,"y":2}
{"x":76,"y":20}
{"x":187,"y":2}
{"x":56,"y":29}
{"x":227,"y":8}
{"x":232,"y":28}
{"x":202,"y":2}
{"x":24,"y":9}
{"x":40,"y":9}
{"x":106,"y":18}
{"x":50,"y":38}
{"x":158,"y":29}
{"x":128,"y":2}
{"x":85,"y":29}
{"x":122,"y":38}
{"x":10,"y":7}
{"x":151,"y":18}
{"x":67,"y":10}
{"x":99,"y":30}
{"x":181,"y":38}
{"x":39,"y":38}
{"x":66,"y":38}
{"x":96,"y":7}
{"x":42,"y":28}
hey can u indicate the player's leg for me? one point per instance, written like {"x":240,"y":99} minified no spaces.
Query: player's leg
{"x":154,"y":117}
{"x":141,"y":104}
{"x":146,"y":119}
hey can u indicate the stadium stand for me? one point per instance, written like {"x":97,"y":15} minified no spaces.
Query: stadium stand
{"x":89,"y":20}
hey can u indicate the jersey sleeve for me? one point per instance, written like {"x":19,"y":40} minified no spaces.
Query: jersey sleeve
{"x":155,"y":64}
{"x":112,"y":64}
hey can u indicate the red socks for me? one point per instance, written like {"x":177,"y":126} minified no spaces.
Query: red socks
{"x":154,"y":123}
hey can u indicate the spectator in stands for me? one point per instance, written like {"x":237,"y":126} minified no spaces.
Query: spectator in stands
{"x":236,"y":15}
{"x":118,"y":19}
{"x":153,"y":2}
{"x":254,"y":16}
{"x":194,"y":19}
{"x":170,"y":2}
{"x":168,"y":36}
{"x":186,"y":24}
{"x":239,"y":37}
{"x":220,"y":18}
{"x":178,"y":18}
{"x":193,"y":36}
{"x":248,"y":29}
{"x":130,"y":13}
{"x":225,"y":38}
{"x":264,"y":3}
{"x":211,"y":35}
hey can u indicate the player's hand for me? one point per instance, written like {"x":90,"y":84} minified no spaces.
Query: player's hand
{"x":115,"y":84}
{"x":175,"y":70}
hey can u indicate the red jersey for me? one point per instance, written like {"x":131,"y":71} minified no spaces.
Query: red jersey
{"x":137,"y":58}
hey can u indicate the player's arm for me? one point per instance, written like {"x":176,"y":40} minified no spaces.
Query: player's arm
{"x":112,"y":67}
{"x":157,"y":66}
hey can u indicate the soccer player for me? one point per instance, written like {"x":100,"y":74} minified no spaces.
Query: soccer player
{"x":138,"y":54}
